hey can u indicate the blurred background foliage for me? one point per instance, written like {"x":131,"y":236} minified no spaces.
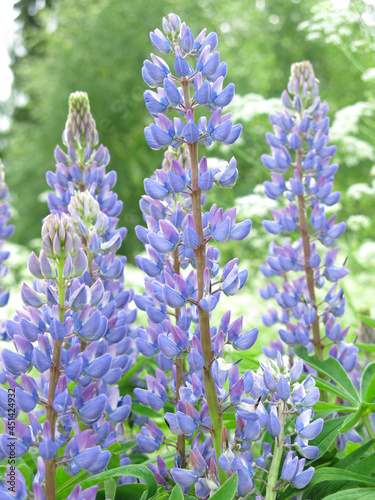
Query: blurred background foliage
{"x":99,"y":46}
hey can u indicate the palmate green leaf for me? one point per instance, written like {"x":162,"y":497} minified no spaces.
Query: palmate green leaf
{"x":351,"y":420}
{"x":370,"y":393}
{"x":351,"y":459}
{"x":144,"y":411}
{"x":161,"y":494}
{"x":228,"y":418}
{"x":114,"y":461}
{"x":228,"y":490}
{"x":167,"y":457}
{"x":368,"y":383}
{"x":132,"y":491}
{"x":366,"y":465}
{"x":250,"y":361}
{"x":126,"y":446}
{"x":366,"y":319}
{"x":334,"y":389}
{"x":366,"y":347}
{"x":27,"y":474}
{"x":30,"y":458}
{"x":176,"y":493}
{"x":110,"y":488}
{"x":164,"y":495}
{"x":334,"y":474}
{"x":353,"y":494}
{"x":66,"y":483}
{"x":332,"y":369}
{"x":138,"y":471}
{"x":324,"y":413}
{"x":330,"y":430}
{"x":323,"y":406}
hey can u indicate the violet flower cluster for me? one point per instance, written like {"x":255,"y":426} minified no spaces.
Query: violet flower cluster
{"x":184,"y":284}
{"x":73,"y":330}
{"x":6,"y":230}
{"x":302,"y":179}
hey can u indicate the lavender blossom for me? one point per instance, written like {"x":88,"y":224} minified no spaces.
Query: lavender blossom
{"x":75,"y":322}
{"x":179,"y":290}
{"x":177,"y":299}
{"x":270,"y":403}
{"x":299,"y":147}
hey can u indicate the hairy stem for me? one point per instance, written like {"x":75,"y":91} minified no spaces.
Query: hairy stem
{"x":309,"y":272}
{"x":204,"y":322}
{"x":179,"y":370}
{"x":278,"y":452}
{"x":51,"y":415}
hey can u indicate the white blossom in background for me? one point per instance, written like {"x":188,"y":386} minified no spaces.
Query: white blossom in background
{"x":358,"y":222}
{"x":335,"y":21}
{"x":249,"y":106}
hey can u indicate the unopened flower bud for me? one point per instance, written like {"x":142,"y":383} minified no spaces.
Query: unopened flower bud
{"x":80,"y":128}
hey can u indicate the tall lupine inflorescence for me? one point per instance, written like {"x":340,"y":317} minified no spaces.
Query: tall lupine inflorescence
{"x":302,"y":177}
{"x":73,"y":328}
{"x":183,"y":286}
{"x":5,"y":232}
{"x":83,"y":190}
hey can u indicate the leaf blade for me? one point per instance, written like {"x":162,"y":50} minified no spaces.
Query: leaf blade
{"x":138,"y":471}
{"x":227,"y":490}
{"x":176,"y":493}
{"x":332,"y":369}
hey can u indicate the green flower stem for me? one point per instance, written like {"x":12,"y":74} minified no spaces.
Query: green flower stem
{"x":54,"y":374}
{"x":278,"y":452}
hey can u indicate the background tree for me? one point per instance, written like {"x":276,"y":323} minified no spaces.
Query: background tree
{"x":99,"y":47}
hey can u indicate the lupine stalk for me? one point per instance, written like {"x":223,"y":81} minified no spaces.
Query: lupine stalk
{"x":309,"y":272}
{"x":179,"y":368}
{"x":176,"y":237}
{"x":76,"y":319}
{"x":51,"y":414}
{"x":204,"y":317}
{"x":301,"y":130}
{"x":176,"y":195}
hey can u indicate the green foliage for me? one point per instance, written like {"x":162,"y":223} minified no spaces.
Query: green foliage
{"x":362,"y":401}
{"x":331,"y":428}
{"x":228,"y":490}
{"x":328,"y":481}
{"x":138,"y":471}
{"x":65,"y":483}
{"x":353,"y":494}
{"x":367,"y":320}
{"x":176,"y":493}
{"x":332,"y":369}
{"x":133,"y":491}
